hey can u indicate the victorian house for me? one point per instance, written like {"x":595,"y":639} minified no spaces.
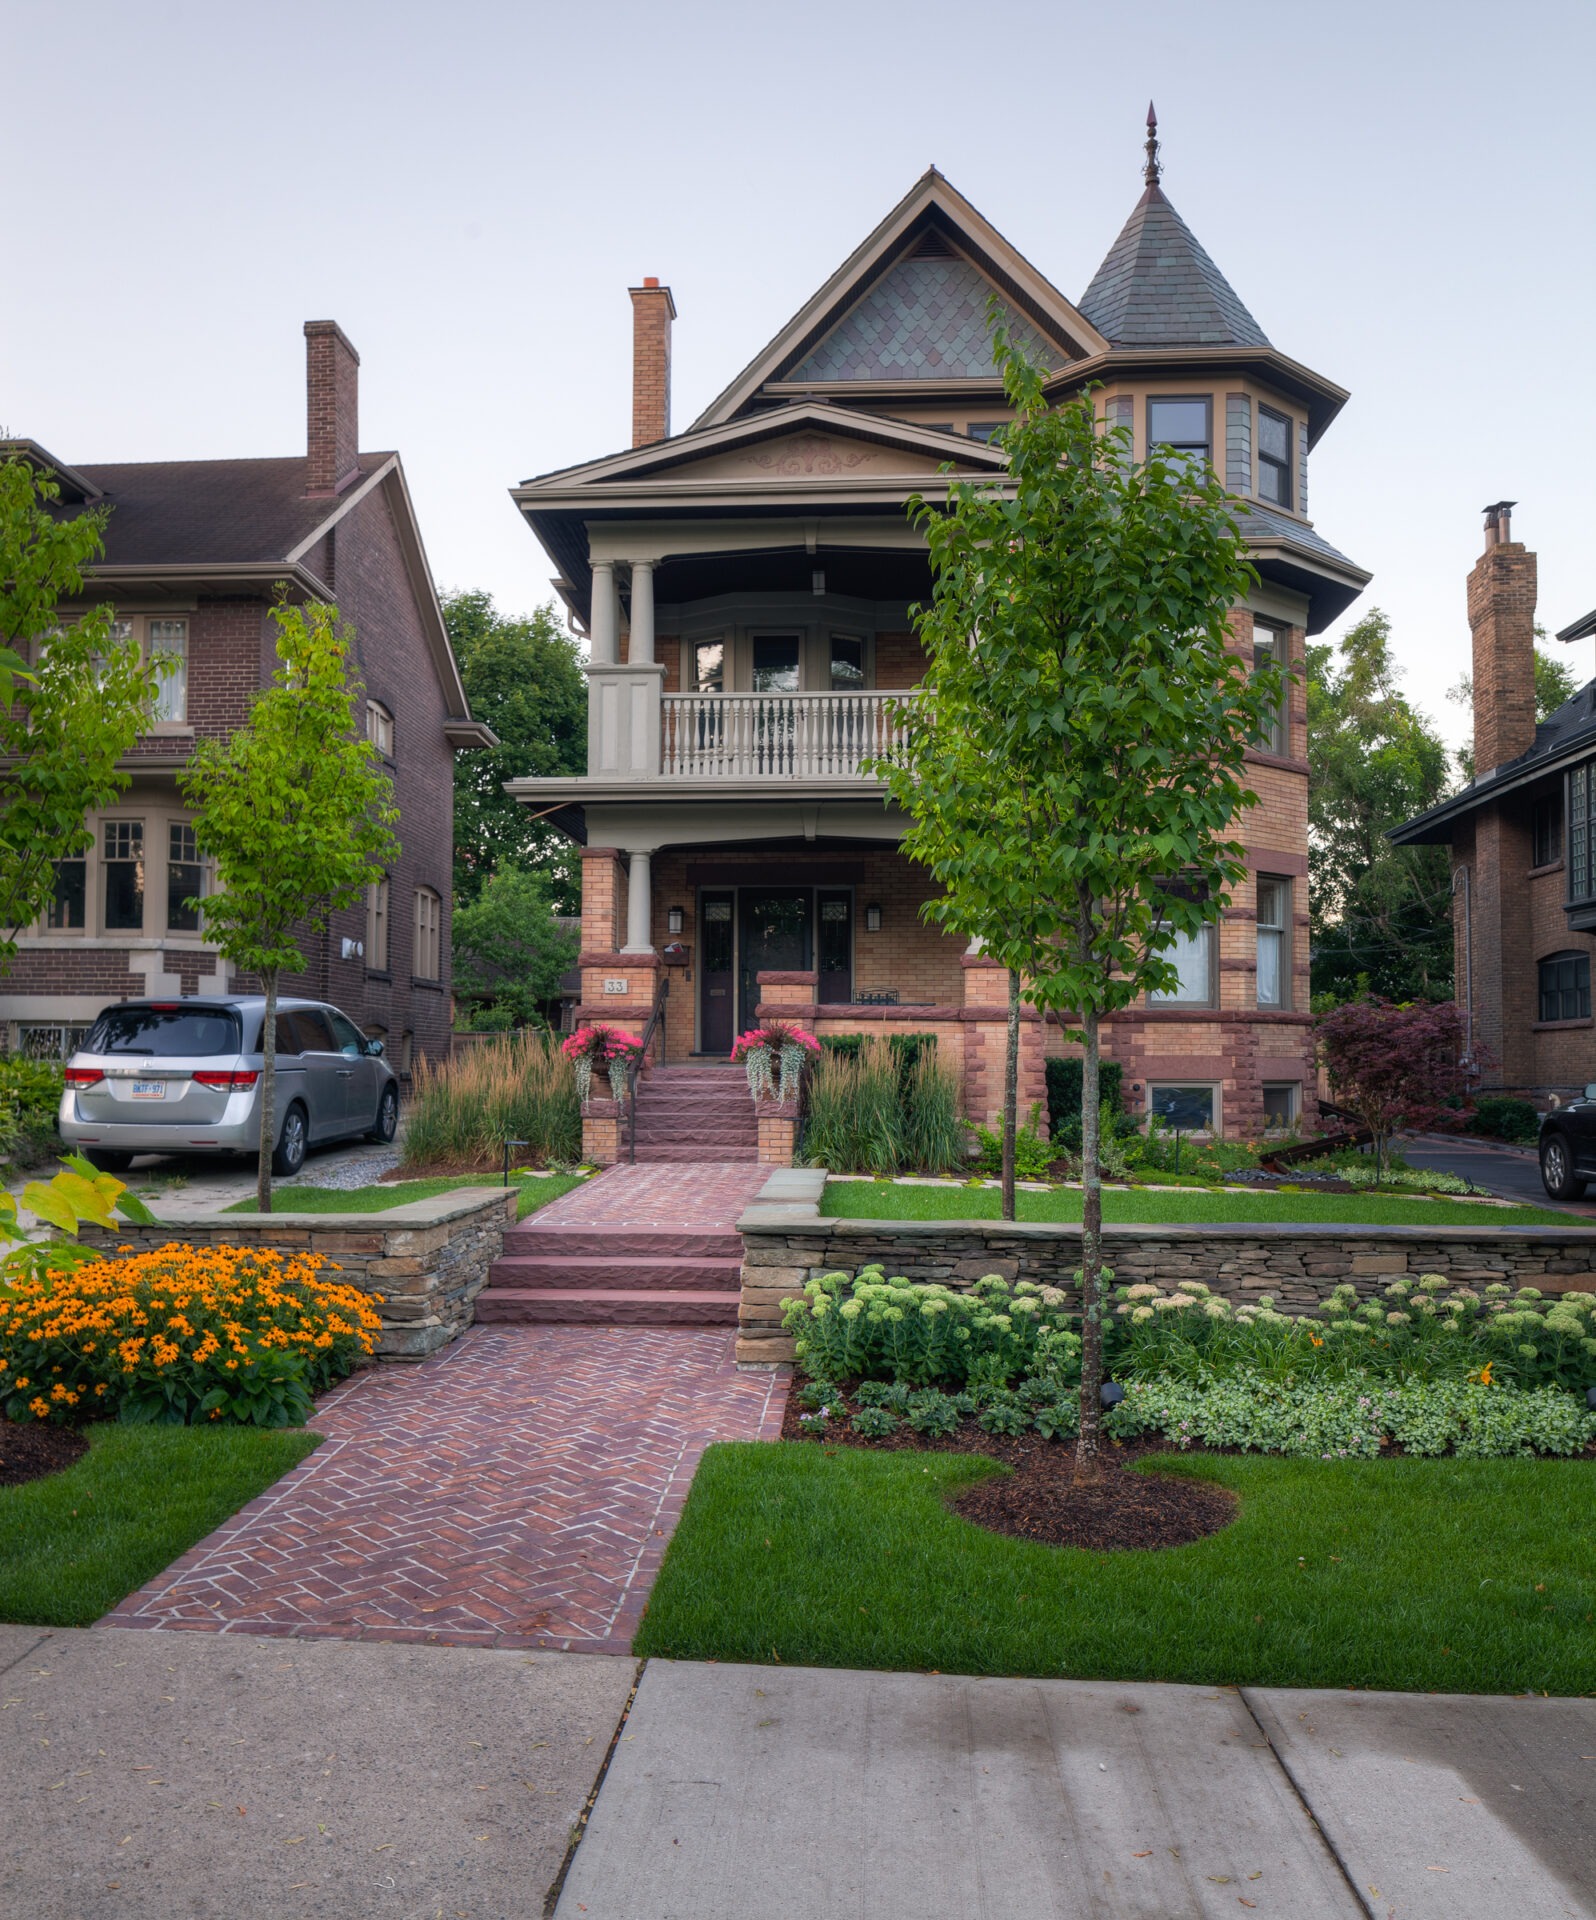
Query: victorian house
{"x":745,"y":585}
{"x":196,"y":552}
{"x":1522,"y":840}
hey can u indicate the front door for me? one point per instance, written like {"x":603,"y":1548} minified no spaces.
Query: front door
{"x":717,"y":1001}
{"x":775,"y":939}
{"x":834,"y":941}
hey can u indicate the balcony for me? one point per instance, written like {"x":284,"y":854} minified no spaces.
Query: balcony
{"x":743,"y":736}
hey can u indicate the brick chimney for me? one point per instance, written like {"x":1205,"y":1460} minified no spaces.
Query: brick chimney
{"x":653,"y":310}
{"x":1502,"y":619}
{"x":332,"y":399}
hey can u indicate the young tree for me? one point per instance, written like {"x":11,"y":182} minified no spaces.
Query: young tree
{"x":1380,"y":915}
{"x":1073,"y":768}
{"x":510,"y":951}
{"x":297,"y":816}
{"x":524,"y":678}
{"x":67,"y":719}
{"x":1397,"y":1067}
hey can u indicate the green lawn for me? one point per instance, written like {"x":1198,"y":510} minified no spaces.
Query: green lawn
{"x":535,"y":1192}
{"x":1458,"y":1575}
{"x":886,"y":1200}
{"x":75,"y":1543}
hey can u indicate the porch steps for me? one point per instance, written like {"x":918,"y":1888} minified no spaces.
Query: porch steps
{"x":608,"y":1307}
{"x":541,"y":1273}
{"x":694,"y":1113}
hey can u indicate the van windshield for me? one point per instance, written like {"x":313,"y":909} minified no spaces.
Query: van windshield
{"x":165,"y":1031}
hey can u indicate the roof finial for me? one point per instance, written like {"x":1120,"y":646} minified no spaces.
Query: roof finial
{"x":1152,"y":170}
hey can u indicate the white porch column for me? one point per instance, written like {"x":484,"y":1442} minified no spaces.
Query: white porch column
{"x":605,"y":623}
{"x":639,"y":906}
{"x":641,"y":649}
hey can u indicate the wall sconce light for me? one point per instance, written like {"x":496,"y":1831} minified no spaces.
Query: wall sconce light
{"x":872,"y":919}
{"x":674,"y":920}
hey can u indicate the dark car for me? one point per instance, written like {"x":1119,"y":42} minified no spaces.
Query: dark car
{"x":1568,"y":1147}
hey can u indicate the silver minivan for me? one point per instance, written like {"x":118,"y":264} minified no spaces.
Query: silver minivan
{"x":183,"y":1076}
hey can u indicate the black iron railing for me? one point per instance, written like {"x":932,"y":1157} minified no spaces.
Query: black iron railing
{"x":639,"y":1061}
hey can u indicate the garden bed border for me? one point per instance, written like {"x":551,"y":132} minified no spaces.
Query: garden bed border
{"x":787,"y":1241}
{"x":429,"y":1259}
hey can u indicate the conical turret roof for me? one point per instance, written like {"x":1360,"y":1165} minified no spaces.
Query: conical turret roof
{"x":1157,"y":287}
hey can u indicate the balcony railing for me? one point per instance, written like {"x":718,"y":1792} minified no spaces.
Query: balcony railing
{"x":739,"y":736}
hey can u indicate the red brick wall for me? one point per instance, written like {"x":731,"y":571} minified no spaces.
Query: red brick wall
{"x":651,"y":363}
{"x":900,"y":660}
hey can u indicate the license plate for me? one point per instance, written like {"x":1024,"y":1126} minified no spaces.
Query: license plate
{"x":149,"y":1089}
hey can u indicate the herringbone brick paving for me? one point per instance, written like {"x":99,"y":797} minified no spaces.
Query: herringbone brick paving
{"x":628,"y":1199}
{"x":516,"y":1490}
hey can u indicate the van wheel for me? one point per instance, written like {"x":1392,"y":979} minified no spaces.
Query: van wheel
{"x":1557,"y":1170}
{"x":387,"y":1116}
{"x":289,"y":1156}
{"x":107,"y":1159}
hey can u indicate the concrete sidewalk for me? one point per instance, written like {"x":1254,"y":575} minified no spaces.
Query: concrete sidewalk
{"x":775,"y":1793}
{"x":192,"y":1776}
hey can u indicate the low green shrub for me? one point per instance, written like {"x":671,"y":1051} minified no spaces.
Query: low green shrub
{"x":1404,"y":1179}
{"x":1498,"y":1117}
{"x":934,"y":1414}
{"x":30,"y":1101}
{"x":1032,"y":1154}
{"x":1064,"y":1098}
{"x":874,"y":1423}
{"x":870,"y":1328}
{"x":1353,"y":1418}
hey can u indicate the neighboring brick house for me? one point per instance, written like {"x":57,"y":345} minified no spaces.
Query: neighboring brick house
{"x":745,"y":587}
{"x":195,"y":551}
{"x":1522,"y":836}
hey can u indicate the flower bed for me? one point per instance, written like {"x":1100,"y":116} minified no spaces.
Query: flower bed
{"x":179,"y":1335}
{"x":1429,"y":1370}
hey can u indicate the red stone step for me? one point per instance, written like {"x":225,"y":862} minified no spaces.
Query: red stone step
{"x":557,"y":1272}
{"x":653,"y":1155}
{"x":591,"y":1306}
{"x":666,"y":1243}
{"x":697,"y":1133}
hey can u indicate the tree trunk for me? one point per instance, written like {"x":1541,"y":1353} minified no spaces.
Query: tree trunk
{"x":1011,"y":1093}
{"x":1093,"y":1287}
{"x":268,"y":1097}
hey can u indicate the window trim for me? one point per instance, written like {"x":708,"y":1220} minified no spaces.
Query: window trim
{"x":427,"y":935}
{"x":136,"y":627}
{"x":378,"y":717}
{"x":1205,"y":400}
{"x":1283,"y":468}
{"x":1580,"y":959}
{"x":1285,"y":929}
{"x":1216,"y":1093}
{"x":157,"y":822}
{"x":379,"y":924}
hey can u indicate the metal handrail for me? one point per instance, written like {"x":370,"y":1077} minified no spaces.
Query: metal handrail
{"x":639,"y":1060}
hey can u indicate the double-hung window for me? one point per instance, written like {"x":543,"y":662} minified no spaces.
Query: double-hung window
{"x":1274,"y":457}
{"x":1269,"y":648}
{"x":377,"y":926}
{"x":427,"y":963}
{"x":124,"y":876}
{"x":185,"y":878}
{"x":1274,"y":942}
{"x":1192,"y":956}
{"x":166,"y":648}
{"x":1182,"y":427}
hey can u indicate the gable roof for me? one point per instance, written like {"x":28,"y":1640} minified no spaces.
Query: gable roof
{"x":1157,"y":287}
{"x":887,"y":310}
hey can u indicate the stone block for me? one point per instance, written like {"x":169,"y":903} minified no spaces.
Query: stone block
{"x":764,"y":1351}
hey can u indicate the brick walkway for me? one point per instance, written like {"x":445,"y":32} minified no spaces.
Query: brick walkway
{"x":697,"y":1198}
{"x":516,"y":1490}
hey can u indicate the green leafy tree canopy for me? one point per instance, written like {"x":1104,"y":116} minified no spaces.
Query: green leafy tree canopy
{"x":294,"y":809}
{"x":1073,"y":769}
{"x":524,"y":679}
{"x":67,"y":719}
{"x":1380,"y":914}
{"x":510,"y":951}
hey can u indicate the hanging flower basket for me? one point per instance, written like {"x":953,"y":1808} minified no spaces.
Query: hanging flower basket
{"x":597,"y":1047}
{"x":775,"y":1057}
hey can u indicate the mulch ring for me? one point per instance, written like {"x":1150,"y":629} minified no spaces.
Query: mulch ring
{"x":1038,"y":1500}
{"x":29,"y":1450}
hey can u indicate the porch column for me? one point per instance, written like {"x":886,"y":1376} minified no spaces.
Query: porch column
{"x":602,"y":627}
{"x":639,"y":906}
{"x":641,"y":647}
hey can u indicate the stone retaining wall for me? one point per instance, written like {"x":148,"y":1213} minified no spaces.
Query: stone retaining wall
{"x":786,"y":1242}
{"x":428,"y":1259}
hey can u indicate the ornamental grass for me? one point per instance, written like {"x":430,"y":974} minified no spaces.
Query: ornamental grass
{"x":516,"y":1086}
{"x":181,"y":1335}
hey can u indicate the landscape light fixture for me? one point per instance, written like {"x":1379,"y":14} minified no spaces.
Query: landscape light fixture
{"x":674,"y":920}
{"x":872,"y":919}
{"x":1110,"y":1393}
{"x":507,"y":1146}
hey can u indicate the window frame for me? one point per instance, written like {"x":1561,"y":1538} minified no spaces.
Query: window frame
{"x":1579,"y":961}
{"x":139,"y":627}
{"x":1546,"y":844}
{"x":1205,"y":401}
{"x":1207,"y":932}
{"x":1282,"y":930}
{"x":1282,"y":468}
{"x":380,"y":722}
{"x":1277,"y":644}
{"x":1579,"y":834}
{"x":1213,"y":1088}
{"x":136,"y":834}
{"x":1294,"y":1104}
{"x":427,"y":936}
{"x":174,"y":828}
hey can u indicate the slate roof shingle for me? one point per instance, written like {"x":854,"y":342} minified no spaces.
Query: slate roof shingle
{"x":1258,"y":523}
{"x":1157,"y":287}
{"x":202,"y":512}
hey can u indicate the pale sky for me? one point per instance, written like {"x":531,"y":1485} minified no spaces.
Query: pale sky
{"x":1400,"y":190}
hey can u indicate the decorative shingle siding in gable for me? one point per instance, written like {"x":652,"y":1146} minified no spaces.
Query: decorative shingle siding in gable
{"x":923,"y":320}
{"x":1158,"y":288}
{"x":1238,"y":443}
{"x":1121,"y":411}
